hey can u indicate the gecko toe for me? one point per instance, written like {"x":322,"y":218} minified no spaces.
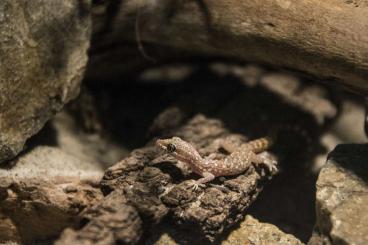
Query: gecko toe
{"x":271,"y":165}
{"x":269,"y":161}
{"x":196,"y":185}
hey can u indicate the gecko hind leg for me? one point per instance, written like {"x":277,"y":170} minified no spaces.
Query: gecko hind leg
{"x":228,"y":144}
{"x":214,"y":156}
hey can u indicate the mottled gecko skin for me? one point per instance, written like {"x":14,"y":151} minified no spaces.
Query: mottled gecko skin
{"x":237,"y":162}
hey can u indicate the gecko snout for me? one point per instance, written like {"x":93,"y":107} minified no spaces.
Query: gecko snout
{"x":162,"y":143}
{"x":166,"y":145}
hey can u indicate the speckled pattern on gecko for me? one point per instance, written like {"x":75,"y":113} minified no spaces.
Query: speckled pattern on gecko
{"x":237,"y":162}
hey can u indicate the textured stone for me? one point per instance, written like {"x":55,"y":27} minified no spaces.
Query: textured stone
{"x":8,"y":231}
{"x":342,"y":195}
{"x":44,"y":190}
{"x":111,"y":221}
{"x":158,"y":187}
{"x":251,"y":231}
{"x":43,"y":53}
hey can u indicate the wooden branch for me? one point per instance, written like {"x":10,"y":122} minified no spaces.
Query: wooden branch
{"x":328,"y":39}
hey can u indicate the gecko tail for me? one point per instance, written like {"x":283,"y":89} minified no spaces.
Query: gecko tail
{"x":274,"y":136}
{"x":261,"y":144}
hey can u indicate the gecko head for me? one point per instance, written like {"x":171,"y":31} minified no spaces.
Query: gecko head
{"x":179,"y":149}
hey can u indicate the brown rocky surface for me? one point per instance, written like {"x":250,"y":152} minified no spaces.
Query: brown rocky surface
{"x":250,"y":231}
{"x":44,"y":190}
{"x":156,"y":186}
{"x":148,"y":194}
{"x":159,"y":188}
{"x":342,"y":196}
{"x":43,"y":54}
{"x":111,"y":221}
{"x":87,"y":145}
{"x":53,"y":192}
{"x":8,"y":231}
{"x":145,"y":180}
{"x":57,"y":177}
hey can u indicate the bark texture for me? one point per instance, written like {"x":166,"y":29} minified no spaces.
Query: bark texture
{"x":328,"y":39}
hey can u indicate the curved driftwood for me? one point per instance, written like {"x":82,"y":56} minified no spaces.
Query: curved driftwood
{"x":328,"y":39}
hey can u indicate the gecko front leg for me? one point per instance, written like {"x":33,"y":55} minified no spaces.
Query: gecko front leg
{"x":207,"y":177}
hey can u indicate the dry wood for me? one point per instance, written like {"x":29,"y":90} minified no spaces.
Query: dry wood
{"x":328,"y":39}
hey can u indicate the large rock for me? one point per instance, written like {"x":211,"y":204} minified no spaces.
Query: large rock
{"x":44,"y":192}
{"x":158,"y":186}
{"x":342,"y":196}
{"x":43,"y":53}
{"x":112,"y":220}
{"x":8,"y":231}
{"x":148,"y":187}
{"x":250,"y":231}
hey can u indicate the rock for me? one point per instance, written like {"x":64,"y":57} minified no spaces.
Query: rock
{"x":112,"y":220}
{"x":156,"y":186}
{"x":248,"y":74}
{"x":8,"y":231}
{"x":308,"y":97}
{"x":342,"y":195}
{"x":251,"y":231}
{"x":318,"y":239}
{"x":93,"y":147}
{"x":43,"y":54}
{"x":44,"y":190}
{"x":288,"y":85}
{"x":159,"y":187}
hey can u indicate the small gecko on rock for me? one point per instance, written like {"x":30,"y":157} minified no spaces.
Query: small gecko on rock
{"x":239,"y":160}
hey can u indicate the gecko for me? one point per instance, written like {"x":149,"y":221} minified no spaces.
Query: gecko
{"x":240,"y":158}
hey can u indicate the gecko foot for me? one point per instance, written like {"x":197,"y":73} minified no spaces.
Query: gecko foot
{"x":196,"y":185}
{"x":270,"y":161}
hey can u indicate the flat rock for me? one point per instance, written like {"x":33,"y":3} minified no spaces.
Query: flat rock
{"x":342,"y":195}
{"x":43,"y":54}
{"x":48,"y":187}
{"x":250,"y":231}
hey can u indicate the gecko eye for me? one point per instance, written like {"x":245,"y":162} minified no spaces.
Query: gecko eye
{"x":171,"y":148}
